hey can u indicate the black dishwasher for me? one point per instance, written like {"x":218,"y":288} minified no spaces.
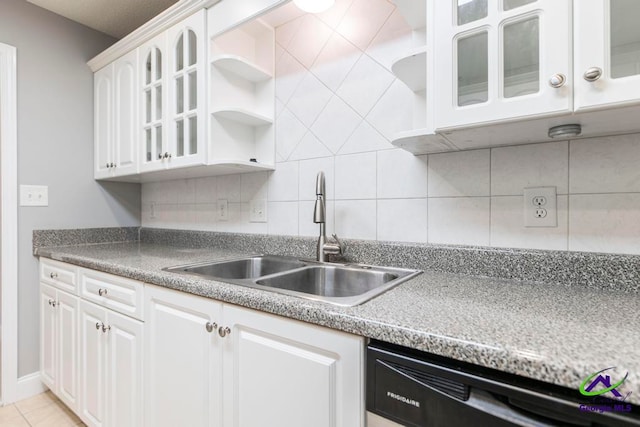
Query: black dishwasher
{"x":414,"y":388}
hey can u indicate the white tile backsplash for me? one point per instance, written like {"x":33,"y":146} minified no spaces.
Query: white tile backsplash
{"x":356,"y":219}
{"x":309,"y":99}
{"x":508,"y":230}
{"x":335,"y":61}
{"x":289,"y":132}
{"x":459,"y":220}
{"x":335,"y":124}
{"x":365,"y":138}
{"x":465,"y":173}
{"x":309,"y":147}
{"x":338,"y":107}
{"x":605,"y":165}
{"x":283,"y":218}
{"x":401,"y":175}
{"x":362,"y":31}
{"x":309,"y":40}
{"x":394,"y":36}
{"x":280,"y":182}
{"x":365,"y":84}
{"x":355,"y":176}
{"x":394,"y":111}
{"x":533,"y":165}
{"x":402,"y":220}
{"x":605,"y":223}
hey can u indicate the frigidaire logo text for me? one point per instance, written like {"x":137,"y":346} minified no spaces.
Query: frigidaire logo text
{"x":403,"y":399}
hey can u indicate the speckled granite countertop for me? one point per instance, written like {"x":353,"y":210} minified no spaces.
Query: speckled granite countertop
{"x":554,"y":333}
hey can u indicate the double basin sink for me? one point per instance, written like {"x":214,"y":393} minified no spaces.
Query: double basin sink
{"x":339,"y":284}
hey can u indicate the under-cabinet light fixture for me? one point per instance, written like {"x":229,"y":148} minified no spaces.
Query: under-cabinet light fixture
{"x":314,"y":6}
{"x":565,"y":131}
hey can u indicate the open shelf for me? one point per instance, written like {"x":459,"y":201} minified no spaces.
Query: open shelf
{"x":422,"y":141}
{"x":243,"y":116}
{"x":242,"y":67}
{"x":411,"y":68}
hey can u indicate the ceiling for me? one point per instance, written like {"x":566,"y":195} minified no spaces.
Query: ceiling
{"x":114,"y":17}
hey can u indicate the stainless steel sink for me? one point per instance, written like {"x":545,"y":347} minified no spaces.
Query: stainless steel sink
{"x":244,"y":268}
{"x":339,"y":284}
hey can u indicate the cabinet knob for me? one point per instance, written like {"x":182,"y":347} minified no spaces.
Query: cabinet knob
{"x":99,"y":325}
{"x":53,"y":275}
{"x":223,"y":332}
{"x":51,"y":302}
{"x":54,"y":303}
{"x":102,"y":292}
{"x":159,"y":155}
{"x":113,"y":165}
{"x":592,"y":74}
{"x":557,"y":80}
{"x":211,"y":326}
{"x":105,"y":328}
{"x":167,"y":155}
{"x":108,"y":165}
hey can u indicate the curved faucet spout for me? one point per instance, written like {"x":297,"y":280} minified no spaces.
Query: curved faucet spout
{"x":319,"y":217}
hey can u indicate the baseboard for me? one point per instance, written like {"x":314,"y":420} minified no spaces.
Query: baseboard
{"x":29,"y":385}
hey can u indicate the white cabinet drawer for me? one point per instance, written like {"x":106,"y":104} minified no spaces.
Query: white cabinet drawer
{"x":114,"y":292}
{"x":62,"y":276}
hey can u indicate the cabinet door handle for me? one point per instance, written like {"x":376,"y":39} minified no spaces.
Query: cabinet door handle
{"x":53,"y":275}
{"x":592,"y":74}
{"x":211,"y":326}
{"x":557,"y":80}
{"x":102,"y":292}
{"x":105,"y":328}
{"x":99,"y":325}
{"x":223,"y":332}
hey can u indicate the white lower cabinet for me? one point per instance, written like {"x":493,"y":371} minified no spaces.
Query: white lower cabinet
{"x":111,"y":357}
{"x":182,"y":365}
{"x":214,"y":364}
{"x":193,"y":361}
{"x":59,"y":343}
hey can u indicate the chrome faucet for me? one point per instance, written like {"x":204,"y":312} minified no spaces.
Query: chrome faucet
{"x":324,"y":248}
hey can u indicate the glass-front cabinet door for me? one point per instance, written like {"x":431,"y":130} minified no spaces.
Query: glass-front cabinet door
{"x":152,"y":70}
{"x":607,"y":53}
{"x":186,"y":81}
{"x":500,"y":59}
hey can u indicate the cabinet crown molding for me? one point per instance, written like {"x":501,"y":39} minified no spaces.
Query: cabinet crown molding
{"x":176,"y":13}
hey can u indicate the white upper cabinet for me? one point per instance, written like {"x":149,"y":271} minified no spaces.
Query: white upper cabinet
{"x":153,"y":68}
{"x":607,"y":53}
{"x":500,"y":60}
{"x":186,"y":118}
{"x":116,"y":115}
{"x":172,"y":81}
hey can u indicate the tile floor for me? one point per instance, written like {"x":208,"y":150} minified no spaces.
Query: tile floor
{"x":42,"y":410}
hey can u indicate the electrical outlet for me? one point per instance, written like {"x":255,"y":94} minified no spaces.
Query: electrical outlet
{"x":540,"y":207}
{"x":34,"y":195}
{"x":223,"y":210}
{"x":258,"y":211}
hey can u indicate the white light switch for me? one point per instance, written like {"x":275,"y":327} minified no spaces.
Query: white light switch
{"x":34,"y":195}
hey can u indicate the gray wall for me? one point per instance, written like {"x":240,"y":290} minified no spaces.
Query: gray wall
{"x":55,"y":145}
